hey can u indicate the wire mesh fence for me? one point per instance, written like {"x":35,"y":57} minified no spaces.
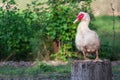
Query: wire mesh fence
{"x":104,"y":7}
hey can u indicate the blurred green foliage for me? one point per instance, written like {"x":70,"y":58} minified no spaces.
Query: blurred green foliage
{"x":28,"y":34}
{"x":61,"y":27}
{"x":16,"y":30}
{"x":104,"y":25}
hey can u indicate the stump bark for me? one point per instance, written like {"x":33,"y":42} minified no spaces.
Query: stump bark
{"x":90,"y":70}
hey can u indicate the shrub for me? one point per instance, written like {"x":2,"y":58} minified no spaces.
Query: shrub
{"x":61,"y":27}
{"x":28,"y":34}
{"x":16,"y":30}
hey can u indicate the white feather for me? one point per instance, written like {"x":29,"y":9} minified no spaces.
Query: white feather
{"x":86,"y":38}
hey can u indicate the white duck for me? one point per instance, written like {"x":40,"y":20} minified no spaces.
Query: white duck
{"x":86,"y":40}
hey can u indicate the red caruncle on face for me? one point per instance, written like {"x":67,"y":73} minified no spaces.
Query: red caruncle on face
{"x":80,"y":16}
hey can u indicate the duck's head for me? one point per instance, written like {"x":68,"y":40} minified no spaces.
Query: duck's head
{"x":82,"y":16}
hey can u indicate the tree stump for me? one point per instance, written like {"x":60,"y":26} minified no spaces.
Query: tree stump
{"x":90,"y":70}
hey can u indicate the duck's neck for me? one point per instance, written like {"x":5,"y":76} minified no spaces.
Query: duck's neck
{"x":83,"y":26}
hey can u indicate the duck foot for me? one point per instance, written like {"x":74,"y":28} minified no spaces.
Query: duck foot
{"x":87,"y":59}
{"x":97,"y":60}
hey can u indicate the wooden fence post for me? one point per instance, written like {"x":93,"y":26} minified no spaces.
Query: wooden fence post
{"x":90,"y":70}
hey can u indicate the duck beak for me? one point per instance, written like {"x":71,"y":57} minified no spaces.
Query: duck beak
{"x":75,"y":21}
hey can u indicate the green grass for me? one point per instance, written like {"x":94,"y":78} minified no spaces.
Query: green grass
{"x":40,"y":69}
{"x":45,"y":71}
{"x":104,"y":25}
{"x":116,"y":72}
